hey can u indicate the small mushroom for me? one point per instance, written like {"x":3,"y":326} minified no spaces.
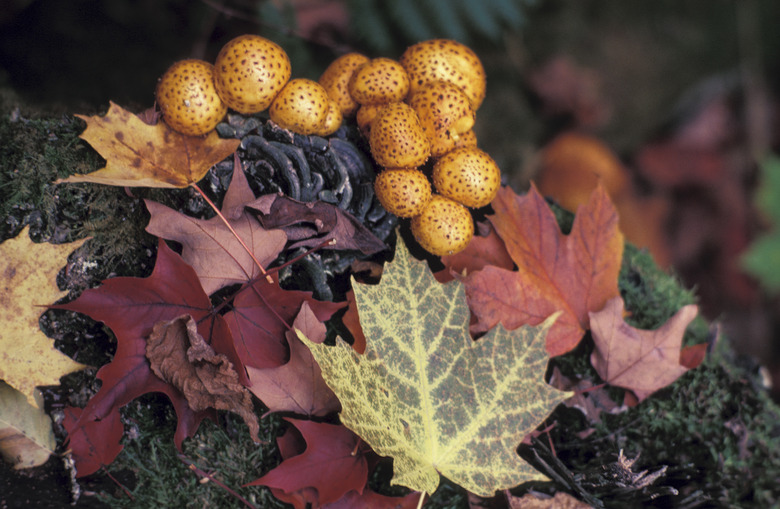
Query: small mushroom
{"x":444,"y":227}
{"x":397,"y":139}
{"x":188,"y":99}
{"x":468,"y":176}
{"x":249,"y":72}
{"x":445,"y":113}
{"x":379,"y":81}
{"x":301,"y":106}
{"x":403,"y":191}
{"x":444,"y":59}
{"x":335,"y":81}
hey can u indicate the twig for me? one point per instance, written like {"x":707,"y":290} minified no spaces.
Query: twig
{"x":191,"y":465}
{"x":127,"y":492}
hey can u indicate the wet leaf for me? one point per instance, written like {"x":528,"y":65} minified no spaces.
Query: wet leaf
{"x":180,"y":356}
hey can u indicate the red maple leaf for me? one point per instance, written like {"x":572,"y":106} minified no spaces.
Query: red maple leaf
{"x":94,"y":444}
{"x":130,"y":307}
{"x":331,"y":465}
{"x":574,"y":273}
{"x":262,"y":313}
{"x":296,"y":386}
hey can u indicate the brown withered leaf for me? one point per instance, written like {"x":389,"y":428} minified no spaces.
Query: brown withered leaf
{"x":574,"y":273}
{"x":181,"y":357}
{"x":642,"y":361}
{"x":141,"y":155}
{"x":210,"y":247}
{"x":561,"y":500}
{"x":310,"y":224}
{"x":296,"y":386}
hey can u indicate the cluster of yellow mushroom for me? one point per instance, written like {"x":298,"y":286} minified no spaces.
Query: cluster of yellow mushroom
{"x":420,"y":107}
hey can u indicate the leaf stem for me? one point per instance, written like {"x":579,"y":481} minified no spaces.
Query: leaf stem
{"x":422,"y":499}
{"x":234,"y":232}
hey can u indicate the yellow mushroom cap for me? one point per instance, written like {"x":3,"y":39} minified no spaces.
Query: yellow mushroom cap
{"x":444,"y":227}
{"x":448,"y":60}
{"x":379,"y":81}
{"x":249,"y":71}
{"x":467,"y":175}
{"x":397,"y":139}
{"x":332,"y":120}
{"x":301,"y":106}
{"x":445,"y":113}
{"x":335,"y":81}
{"x":403,"y":191}
{"x":188,"y":99}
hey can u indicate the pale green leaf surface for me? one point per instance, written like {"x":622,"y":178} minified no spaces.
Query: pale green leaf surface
{"x":26,"y":437}
{"x":429,"y":396}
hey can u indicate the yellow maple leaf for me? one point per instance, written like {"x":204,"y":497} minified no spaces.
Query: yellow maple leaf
{"x":141,"y":155}
{"x":429,"y":396}
{"x":28,"y":274}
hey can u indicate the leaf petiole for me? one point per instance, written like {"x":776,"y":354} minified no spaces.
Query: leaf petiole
{"x":233,"y":231}
{"x":422,"y":499}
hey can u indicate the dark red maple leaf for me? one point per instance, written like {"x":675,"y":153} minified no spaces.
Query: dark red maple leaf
{"x":327,"y":469}
{"x":130,"y":307}
{"x":262,"y":313}
{"x":95,"y":444}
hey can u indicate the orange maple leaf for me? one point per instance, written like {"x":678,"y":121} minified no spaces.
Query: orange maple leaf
{"x":642,"y":361}
{"x":142,"y":155}
{"x":574,"y":273}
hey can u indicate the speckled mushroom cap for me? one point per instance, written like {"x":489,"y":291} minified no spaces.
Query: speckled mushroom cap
{"x":249,"y":72}
{"x":403,"y":191}
{"x":187,"y":98}
{"x":335,"y":81}
{"x":301,"y":106}
{"x":379,"y":81}
{"x":444,"y":227}
{"x":444,"y":59}
{"x":445,"y":113}
{"x":397,"y":139}
{"x":467,"y":175}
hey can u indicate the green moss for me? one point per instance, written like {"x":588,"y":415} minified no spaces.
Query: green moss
{"x":160,"y":477}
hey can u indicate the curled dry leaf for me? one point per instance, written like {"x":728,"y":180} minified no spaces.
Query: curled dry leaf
{"x":181,"y":357}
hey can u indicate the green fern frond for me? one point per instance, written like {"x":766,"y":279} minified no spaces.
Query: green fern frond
{"x":389,"y":27}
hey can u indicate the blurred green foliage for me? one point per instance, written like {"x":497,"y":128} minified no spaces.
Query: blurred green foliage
{"x":762,"y":259}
